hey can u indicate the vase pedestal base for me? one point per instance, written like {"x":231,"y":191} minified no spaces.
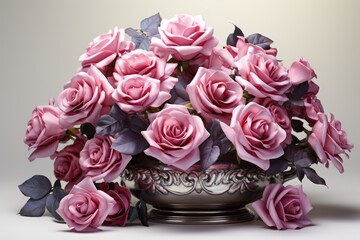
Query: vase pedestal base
{"x":201,"y":217}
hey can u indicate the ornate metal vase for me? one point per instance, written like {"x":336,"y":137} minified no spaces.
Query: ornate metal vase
{"x":216,"y":195}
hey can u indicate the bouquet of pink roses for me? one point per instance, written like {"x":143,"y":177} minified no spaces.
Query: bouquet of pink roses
{"x":173,"y":94}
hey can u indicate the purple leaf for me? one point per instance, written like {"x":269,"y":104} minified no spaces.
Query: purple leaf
{"x":313,"y":176}
{"x":142,"y":212}
{"x":117,"y":113}
{"x":300,"y":90}
{"x":36,"y":187}
{"x":107,"y":125}
{"x":133,"y":214}
{"x":129,"y":142}
{"x":233,"y":37}
{"x":52,"y":204}
{"x":33,"y":208}
{"x":259,"y":40}
{"x":145,"y":44}
{"x":151,"y":24}
{"x":131,"y":32}
{"x":209,"y":153}
{"x":218,"y":136}
{"x":141,"y":41}
{"x":300,"y":174}
{"x":277,"y":165}
{"x":136,"y":123}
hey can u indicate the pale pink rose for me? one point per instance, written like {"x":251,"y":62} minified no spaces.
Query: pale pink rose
{"x":85,"y":206}
{"x":66,"y":163}
{"x":104,"y":49}
{"x":231,"y":54}
{"x":255,"y":134}
{"x":183,"y":37}
{"x":85,"y":98}
{"x":214,"y":95}
{"x":44,"y":132}
{"x":279,"y":114}
{"x":301,"y":71}
{"x":119,"y":214}
{"x":135,"y":93}
{"x":329,"y":141}
{"x":145,"y":63}
{"x":99,"y":161}
{"x":263,"y":76}
{"x":174,"y":136}
{"x":283,"y":207}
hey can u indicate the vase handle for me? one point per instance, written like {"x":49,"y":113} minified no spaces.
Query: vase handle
{"x":289,"y":174}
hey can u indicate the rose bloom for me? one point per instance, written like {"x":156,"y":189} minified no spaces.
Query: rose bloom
{"x":263,"y":76}
{"x":104,"y":49}
{"x":183,"y":37}
{"x":329,"y":141}
{"x":119,"y":214}
{"x":135,"y":93}
{"x":174,"y":136}
{"x":66,"y":164}
{"x":213,"y":94}
{"x":99,"y":161}
{"x":85,"y":206}
{"x":301,"y":71}
{"x":145,"y":63}
{"x":255,"y":134}
{"x":44,"y":132}
{"x":279,"y":114}
{"x":85,"y":98}
{"x":283,"y":207}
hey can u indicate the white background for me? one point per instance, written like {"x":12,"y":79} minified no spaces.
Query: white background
{"x":42,"y":40}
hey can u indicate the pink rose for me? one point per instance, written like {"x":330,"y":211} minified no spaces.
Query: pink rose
{"x":283,"y":207}
{"x":44,"y":132}
{"x":174,"y":136}
{"x":99,"y":161}
{"x":329,"y":141}
{"x":145,"y":63}
{"x":312,"y":106}
{"x":135,"y":93}
{"x":279,"y":114}
{"x":85,"y":98}
{"x":66,"y":164}
{"x":104,"y":49}
{"x":85,"y":206}
{"x":119,"y":214}
{"x":184,"y":37}
{"x":300,"y":72}
{"x":255,"y":134}
{"x":213,"y":94}
{"x":231,"y":54}
{"x":263,"y":76}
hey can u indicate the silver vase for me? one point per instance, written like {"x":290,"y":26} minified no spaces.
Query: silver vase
{"x":216,"y":195}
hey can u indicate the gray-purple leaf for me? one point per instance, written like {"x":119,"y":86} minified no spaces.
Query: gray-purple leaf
{"x":131,"y":32}
{"x":151,"y":24}
{"x":145,"y":44}
{"x":136,"y":123}
{"x":277,"y":165}
{"x":52,"y":204}
{"x":133,"y":214}
{"x":34,"y":208}
{"x":138,"y":39}
{"x":129,"y":142}
{"x":233,"y":37}
{"x":300,"y":174}
{"x":117,"y":113}
{"x":300,"y":91}
{"x":218,"y":136}
{"x":259,"y":40}
{"x":142,"y":212}
{"x":107,"y":125}
{"x":313,"y":176}
{"x":209,"y":153}
{"x":36,"y":187}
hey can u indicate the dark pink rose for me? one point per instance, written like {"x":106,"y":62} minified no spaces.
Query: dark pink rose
{"x":214,"y":95}
{"x":279,"y":114}
{"x":99,"y":161}
{"x":135,"y":93}
{"x":329,"y":141}
{"x":145,"y":63}
{"x":118,"y":215}
{"x":85,"y":206}
{"x":283,"y":207}
{"x":174,"y":136}
{"x":85,"y":98}
{"x":184,"y":37}
{"x":66,"y":164}
{"x":104,"y":49}
{"x":44,"y":132}
{"x":256,"y":135}
{"x":263,"y":76}
{"x":301,"y":71}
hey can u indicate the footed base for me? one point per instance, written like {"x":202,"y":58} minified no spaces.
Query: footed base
{"x":202,"y":217}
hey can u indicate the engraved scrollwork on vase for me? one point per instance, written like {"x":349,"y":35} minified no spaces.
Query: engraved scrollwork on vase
{"x":212,"y":181}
